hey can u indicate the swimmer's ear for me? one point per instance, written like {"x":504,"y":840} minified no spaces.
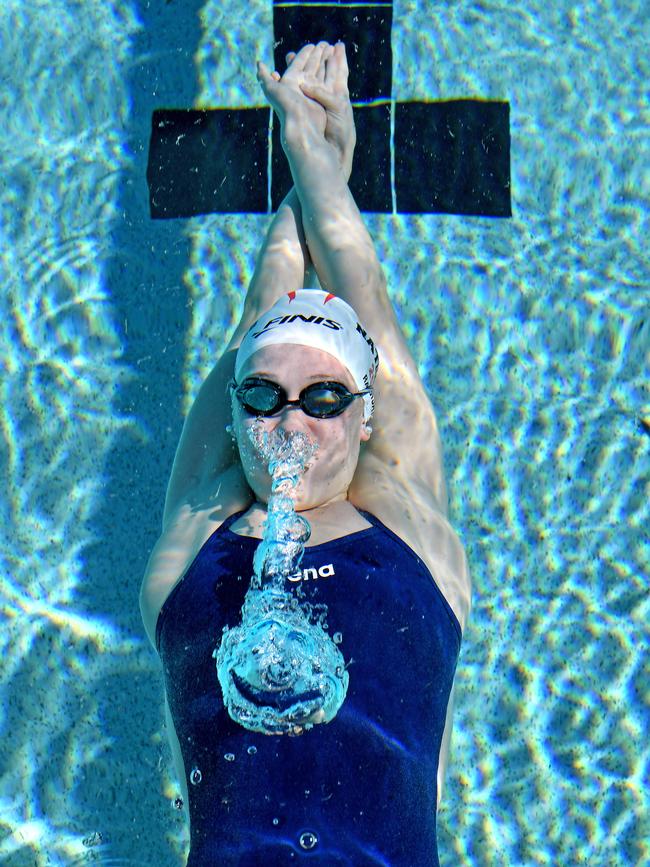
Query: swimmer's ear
{"x":366,"y":430}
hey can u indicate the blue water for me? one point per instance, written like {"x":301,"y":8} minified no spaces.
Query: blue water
{"x":532,"y":335}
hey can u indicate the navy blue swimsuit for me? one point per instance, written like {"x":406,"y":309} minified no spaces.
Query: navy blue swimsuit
{"x":359,"y":790}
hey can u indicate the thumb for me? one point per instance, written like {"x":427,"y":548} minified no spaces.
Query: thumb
{"x":320,"y":94}
{"x":266,"y":78}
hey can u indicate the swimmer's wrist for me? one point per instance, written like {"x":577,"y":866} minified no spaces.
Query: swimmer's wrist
{"x":301,"y":142}
{"x":298,"y":135}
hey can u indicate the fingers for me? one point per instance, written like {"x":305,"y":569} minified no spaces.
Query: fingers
{"x":340,"y":47}
{"x":315,"y":60}
{"x":312,"y":59}
{"x":325,"y":63}
{"x":337,"y":69}
{"x":301,"y":59}
{"x":263,"y":74}
{"x":331,"y":79}
{"x":328,"y":54}
{"x":268,"y":80}
{"x":320,"y":94}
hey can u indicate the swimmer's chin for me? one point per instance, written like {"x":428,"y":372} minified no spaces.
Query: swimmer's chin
{"x":302,"y":498}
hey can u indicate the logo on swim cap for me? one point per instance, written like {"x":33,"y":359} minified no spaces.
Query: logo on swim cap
{"x":362,"y":331}
{"x":284,"y":320}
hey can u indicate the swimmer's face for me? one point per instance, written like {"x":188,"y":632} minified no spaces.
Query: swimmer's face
{"x":330,"y":472}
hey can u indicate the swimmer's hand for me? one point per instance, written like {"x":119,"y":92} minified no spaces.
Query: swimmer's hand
{"x":301,"y":118}
{"x":332,"y":93}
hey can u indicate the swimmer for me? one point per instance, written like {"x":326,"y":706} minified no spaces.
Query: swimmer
{"x":331,"y":364}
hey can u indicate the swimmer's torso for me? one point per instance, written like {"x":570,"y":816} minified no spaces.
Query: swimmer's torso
{"x":346,"y":792}
{"x":420,"y":525}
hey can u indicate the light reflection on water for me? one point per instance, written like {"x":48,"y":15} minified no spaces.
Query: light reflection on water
{"x":532,"y":335}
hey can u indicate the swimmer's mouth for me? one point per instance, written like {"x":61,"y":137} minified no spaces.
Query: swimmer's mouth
{"x":280,"y":700}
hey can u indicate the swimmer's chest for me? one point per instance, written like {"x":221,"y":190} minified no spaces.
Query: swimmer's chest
{"x":340,"y":523}
{"x":367,"y":576}
{"x":347,"y":521}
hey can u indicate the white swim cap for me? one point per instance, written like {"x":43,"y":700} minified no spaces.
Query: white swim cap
{"x":316,"y":318}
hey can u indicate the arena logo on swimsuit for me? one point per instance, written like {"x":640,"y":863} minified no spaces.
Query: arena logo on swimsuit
{"x":312,"y":574}
{"x":311,"y":320}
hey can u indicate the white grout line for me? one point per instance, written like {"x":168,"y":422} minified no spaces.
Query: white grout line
{"x":269,"y":164}
{"x":393,"y":194}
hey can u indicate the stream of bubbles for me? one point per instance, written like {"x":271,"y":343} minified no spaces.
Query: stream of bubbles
{"x":279,"y":670}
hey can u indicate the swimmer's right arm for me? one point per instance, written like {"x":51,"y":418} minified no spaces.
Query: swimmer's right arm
{"x":205,"y":451}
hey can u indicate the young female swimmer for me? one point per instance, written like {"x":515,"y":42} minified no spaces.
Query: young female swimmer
{"x":332,"y":365}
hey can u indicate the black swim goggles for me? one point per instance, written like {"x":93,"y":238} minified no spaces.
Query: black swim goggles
{"x":261,"y":397}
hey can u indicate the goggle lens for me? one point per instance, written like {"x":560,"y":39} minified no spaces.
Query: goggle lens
{"x":260,"y":398}
{"x":322,"y":402}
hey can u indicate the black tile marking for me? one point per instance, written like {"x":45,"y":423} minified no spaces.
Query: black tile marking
{"x":203,"y":162}
{"x":453,"y":157}
{"x":364,"y":29}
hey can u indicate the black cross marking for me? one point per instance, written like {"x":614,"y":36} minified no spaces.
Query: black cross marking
{"x":449,"y":156}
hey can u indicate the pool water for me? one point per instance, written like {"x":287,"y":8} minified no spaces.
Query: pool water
{"x":533,"y":337}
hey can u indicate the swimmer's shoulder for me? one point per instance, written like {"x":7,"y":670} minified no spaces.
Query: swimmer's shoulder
{"x":416,"y":517}
{"x":185,"y":532}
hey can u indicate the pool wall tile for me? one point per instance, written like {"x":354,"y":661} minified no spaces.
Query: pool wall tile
{"x":453,"y":157}
{"x":202,"y":162}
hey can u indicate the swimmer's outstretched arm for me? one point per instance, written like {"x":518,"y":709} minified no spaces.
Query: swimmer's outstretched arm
{"x":284,"y":262}
{"x":405,"y":429}
{"x":339,"y":243}
{"x":205,"y":450}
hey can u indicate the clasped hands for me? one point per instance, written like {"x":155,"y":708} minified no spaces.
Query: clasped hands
{"x":312,"y":101}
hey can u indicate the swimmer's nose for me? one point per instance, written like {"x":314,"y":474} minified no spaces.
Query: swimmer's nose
{"x":291,"y":418}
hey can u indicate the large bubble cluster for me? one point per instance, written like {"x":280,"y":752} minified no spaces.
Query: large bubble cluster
{"x":279,"y":670}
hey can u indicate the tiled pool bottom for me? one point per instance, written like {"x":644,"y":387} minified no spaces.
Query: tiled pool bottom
{"x":533,"y":339}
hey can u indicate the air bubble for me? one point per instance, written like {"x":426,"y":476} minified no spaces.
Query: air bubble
{"x":276,"y":821}
{"x":337,"y":638}
{"x":308,"y":840}
{"x":229,"y":757}
{"x":195,"y":776}
{"x":251,"y":751}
